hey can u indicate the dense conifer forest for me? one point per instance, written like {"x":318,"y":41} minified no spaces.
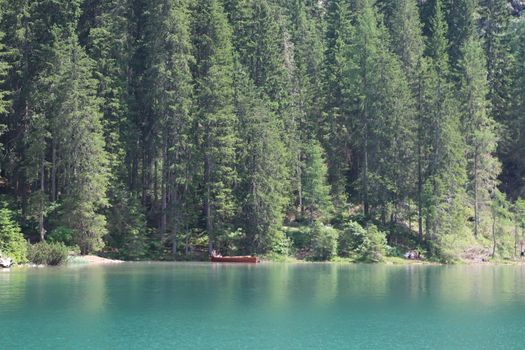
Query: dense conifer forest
{"x":159,"y":129}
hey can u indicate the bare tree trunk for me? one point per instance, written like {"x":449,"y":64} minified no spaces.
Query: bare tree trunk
{"x":174,"y":240}
{"x":53,"y":171}
{"x":419,"y":166}
{"x":207,"y":203}
{"x":156,"y":183}
{"x":300,"y":189}
{"x":143,"y":184}
{"x":365,"y":178}
{"x":476,"y":195}
{"x":493,"y":233}
{"x":41,"y":217}
{"x":366,"y":207}
{"x":164,"y":187}
{"x":515,"y":240}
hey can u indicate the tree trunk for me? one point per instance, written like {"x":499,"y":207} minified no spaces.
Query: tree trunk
{"x":515,"y":240}
{"x":174,"y":241}
{"x":366,"y":207}
{"x":53,"y":171}
{"x":42,"y":204}
{"x":300,"y":189}
{"x":493,"y":234}
{"x":476,"y":195}
{"x":164,"y":187}
{"x":207,"y":202}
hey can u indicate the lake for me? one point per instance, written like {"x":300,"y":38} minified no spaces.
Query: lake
{"x":264,"y":306}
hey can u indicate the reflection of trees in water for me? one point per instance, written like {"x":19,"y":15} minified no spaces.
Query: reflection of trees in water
{"x":12,"y":288}
{"x":486,"y":286}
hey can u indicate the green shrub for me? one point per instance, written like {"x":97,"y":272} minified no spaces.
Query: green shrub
{"x":373,"y":248}
{"x":351,"y":238}
{"x":44,"y":253}
{"x":12,"y":243}
{"x":324,"y":242}
{"x":280,"y":244}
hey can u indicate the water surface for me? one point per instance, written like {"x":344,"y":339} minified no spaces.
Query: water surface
{"x":265,"y":306}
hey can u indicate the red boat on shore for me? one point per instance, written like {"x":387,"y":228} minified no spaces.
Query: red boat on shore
{"x":234,"y":259}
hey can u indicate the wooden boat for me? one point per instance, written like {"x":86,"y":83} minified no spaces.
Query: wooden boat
{"x":234,"y":259}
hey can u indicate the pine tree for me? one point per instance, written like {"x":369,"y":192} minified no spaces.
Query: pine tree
{"x":109,"y":45}
{"x":306,"y":86}
{"x":80,"y":168}
{"x":12,"y":242}
{"x":446,"y":171}
{"x":213,"y":76}
{"x":308,"y":57}
{"x":263,"y":53}
{"x":408,"y":43}
{"x":461,"y":22}
{"x":18,"y":23}
{"x":383,"y":109}
{"x":169,"y":91}
{"x":106,"y":29}
{"x":335,"y":133}
{"x":512,"y":139}
{"x":262,"y":172}
{"x":494,"y":25}
{"x":317,"y":201}
{"x":479,"y":127}
{"x":438,"y":44}
{"x":406,"y":35}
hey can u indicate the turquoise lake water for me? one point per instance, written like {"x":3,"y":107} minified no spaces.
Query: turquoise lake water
{"x":264,"y":306}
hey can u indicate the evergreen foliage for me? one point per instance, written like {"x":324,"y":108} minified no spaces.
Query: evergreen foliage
{"x":262,"y":191}
{"x":317,"y":202}
{"x":12,"y":242}
{"x":157,"y":127}
{"x":213,"y":74}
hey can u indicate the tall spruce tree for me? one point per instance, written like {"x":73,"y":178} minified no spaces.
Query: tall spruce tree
{"x":409,"y":44}
{"x":169,"y":90}
{"x":82,"y":172}
{"x":306,"y":86}
{"x":461,"y":23}
{"x":446,"y":172}
{"x":494,"y":25}
{"x":262,"y":173}
{"x":383,"y":113}
{"x":479,"y":128}
{"x":106,"y":31}
{"x":335,"y":132}
{"x":406,"y":35}
{"x":213,"y":75}
{"x":513,"y":140}
{"x":317,"y":201}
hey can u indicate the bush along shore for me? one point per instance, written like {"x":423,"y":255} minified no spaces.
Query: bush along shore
{"x":351,"y":239}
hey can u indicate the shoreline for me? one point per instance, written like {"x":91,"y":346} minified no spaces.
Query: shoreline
{"x":95,"y":260}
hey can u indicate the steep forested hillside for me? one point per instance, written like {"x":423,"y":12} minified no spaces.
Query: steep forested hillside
{"x":164,"y":127}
